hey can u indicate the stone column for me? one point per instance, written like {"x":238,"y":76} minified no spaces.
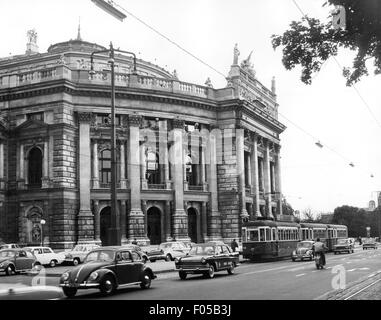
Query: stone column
{"x":214,"y":218}
{"x":180,"y":219}
{"x":97,"y":222}
{"x":168,"y":222}
{"x":85,"y":215}
{"x":123,"y":221}
{"x":163,"y":153}
{"x":123,"y":180}
{"x":48,"y":224}
{"x":204,"y":222}
{"x":144,"y":209}
{"x":267,"y":177}
{"x":278,"y":179}
{"x":136,"y":217}
{"x":241,"y":170}
{"x":254,"y":175}
{"x":21,"y":167}
{"x":95,"y":165}
{"x":45,"y":167}
{"x":202,"y":170}
{"x":2,"y":183}
{"x":143,"y":166}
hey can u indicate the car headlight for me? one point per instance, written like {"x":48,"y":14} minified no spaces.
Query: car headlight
{"x":203,"y":260}
{"x":177,"y":260}
{"x":1,"y":265}
{"x":93,"y":276}
{"x":65,"y":276}
{"x":294,"y":252}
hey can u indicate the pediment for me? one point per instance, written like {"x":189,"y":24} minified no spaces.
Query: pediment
{"x":32,"y":124}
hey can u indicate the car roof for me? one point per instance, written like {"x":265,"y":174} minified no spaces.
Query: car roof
{"x":12,"y":249}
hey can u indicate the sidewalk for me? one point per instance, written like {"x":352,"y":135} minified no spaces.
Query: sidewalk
{"x":157,"y":267}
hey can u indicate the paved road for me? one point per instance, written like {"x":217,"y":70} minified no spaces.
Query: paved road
{"x":252,"y":281}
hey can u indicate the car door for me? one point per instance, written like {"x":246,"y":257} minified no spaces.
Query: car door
{"x":48,"y":255}
{"x":22,"y":261}
{"x":38,"y":253}
{"x":225,"y":258}
{"x":218,"y":258}
{"x":124,"y":267}
{"x":137,"y":266}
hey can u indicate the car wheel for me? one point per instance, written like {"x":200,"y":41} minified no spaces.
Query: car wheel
{"x":145,"y":259}
{"x":107,"y":285}
{"x":335,"y":252}
{"x":210,"y":272}
{"x":76,"y":262}
{"x":182,"y":275}
{"x":69,"y":292}
{"x":231,"y":269}
{"x":9,"y":270}
{"x":53,"y":263}
{"x":146,"y":283}
{"x":293,"y":259}
{"x":168,"y":257}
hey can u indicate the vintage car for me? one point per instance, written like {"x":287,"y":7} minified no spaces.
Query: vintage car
{"x":343,"y":245}
{"x":9,"y":246}
{"x":78,"y":254}
{"x":46,"y":256}
{"x":153,"y":253}
{"x":369,"y":243}
{"x":303,"y":251}
{"x":20,"y":291}
{"x":207,"y":258}
{"x":106,"y":269}
{"x":173,"y":249}
{"x":138,"y":249}
{"x":17,"y":260}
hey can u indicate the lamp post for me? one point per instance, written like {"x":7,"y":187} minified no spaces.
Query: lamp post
{"x":42,"y":222}
{"x":114,"y":230}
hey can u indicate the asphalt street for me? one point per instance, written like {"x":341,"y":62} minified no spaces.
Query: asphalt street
{"x":251,"y":281}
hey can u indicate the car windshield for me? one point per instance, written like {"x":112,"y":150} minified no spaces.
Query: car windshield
{"x":80,"y":248}
{"x":342,"y":241}
{"x":100,"y":255}
{"x":201,"y":250}
{"x":304,"y":245}
{"x":6,"y":254}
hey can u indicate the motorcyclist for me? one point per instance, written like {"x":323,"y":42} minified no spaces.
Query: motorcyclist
{"x":319,"y":248}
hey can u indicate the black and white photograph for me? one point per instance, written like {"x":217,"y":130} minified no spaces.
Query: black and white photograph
{"x":189,"y":155}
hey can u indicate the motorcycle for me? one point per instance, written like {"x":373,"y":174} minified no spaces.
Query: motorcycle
{"x":319,"y":261}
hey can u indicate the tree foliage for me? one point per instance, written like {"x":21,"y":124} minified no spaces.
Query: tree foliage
{"x":310,"y":42}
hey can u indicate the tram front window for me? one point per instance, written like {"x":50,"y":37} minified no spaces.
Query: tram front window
{"x":262,"y":235}
{"x":253,"y":235}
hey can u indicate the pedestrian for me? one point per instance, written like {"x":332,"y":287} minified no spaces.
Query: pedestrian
{"x":234,"y":245}
{"x":135,"y":242}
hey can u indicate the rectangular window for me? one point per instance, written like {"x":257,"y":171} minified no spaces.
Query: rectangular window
{"x":268,"y":234}
{"x":253,"y":235}
{"x":36,"y":116}
{"x":262,"y":234}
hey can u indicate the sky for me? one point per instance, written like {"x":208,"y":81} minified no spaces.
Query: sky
{"x":313,"y":178}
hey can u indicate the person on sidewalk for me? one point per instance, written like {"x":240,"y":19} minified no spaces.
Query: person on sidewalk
{"x":135,"y":242}
{"x":234,"y":245}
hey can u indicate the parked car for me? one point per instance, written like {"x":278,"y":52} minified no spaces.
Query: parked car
{"x":189,"y":245}
{"x":153,"y":253}
{"x":79,"y":252}
{"x":173,"y":249}
{"x":23,"y":292}
{"x":106,"y":269}
{"x":303,"y":251}
{"x":9,"y":246}
{"x":369,"y":243}
{"x":343,"y":245}
{"x":207,"y":258}
{"x":17,"y":260}
{"x":138,"y":249}
{"x":46,"y":256}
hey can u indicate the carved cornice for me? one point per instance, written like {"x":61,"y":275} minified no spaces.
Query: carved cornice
{"x":84,"y":116}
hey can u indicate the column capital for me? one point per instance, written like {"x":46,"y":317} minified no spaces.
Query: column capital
{"x":135,"y":120}
{"x":84,"y":116}
{"x":178,"y":123}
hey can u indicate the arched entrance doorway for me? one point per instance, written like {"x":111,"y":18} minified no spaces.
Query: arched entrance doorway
{"x":154,"y":225}
{"x":105,"y":224}
{"x":192,"y":224}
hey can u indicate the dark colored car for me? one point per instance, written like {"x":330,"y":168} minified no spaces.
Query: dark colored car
{"x":106,"y":269}
{"x":16,"y":260}
{"x":369,"y":243}
{"x":343,"y":245}
{"x":303,"y":251}
{"x":207,"y":258}
{"x":154,"y":253}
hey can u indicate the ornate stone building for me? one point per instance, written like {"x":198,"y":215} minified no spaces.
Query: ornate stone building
{"x":192,"y":161}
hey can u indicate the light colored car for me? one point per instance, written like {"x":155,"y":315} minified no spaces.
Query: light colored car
{"x":303,"y":251}
{"x":9,"y":246}
{"x":343,"y":245}
{"x":173,"y":249}
{"x":79,"y":252}
{"x":46,"y":256}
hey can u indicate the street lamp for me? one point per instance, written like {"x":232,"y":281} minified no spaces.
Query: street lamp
{"x":42,"y":222}
{"x":114,"y":230}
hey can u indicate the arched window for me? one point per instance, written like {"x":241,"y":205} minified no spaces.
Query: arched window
{"x":152,"y":165}
{"x":105,"y":166}
{"x":35,"y":167}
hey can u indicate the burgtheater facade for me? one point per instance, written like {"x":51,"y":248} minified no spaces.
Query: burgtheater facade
{"x":192,"y":161}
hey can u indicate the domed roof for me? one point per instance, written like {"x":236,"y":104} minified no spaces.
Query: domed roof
{"x":75,"y":45}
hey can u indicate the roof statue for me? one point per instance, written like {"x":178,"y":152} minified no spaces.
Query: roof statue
{"x":32,"y":36}
{"x":208,"y":83}
{"x":236,"y":54}
{"x":175,"y":74}
{"x":247,"y":65}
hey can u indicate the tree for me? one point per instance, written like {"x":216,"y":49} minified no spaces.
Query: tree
{"x":287,"y":208}
{"x":308,"y":215}
{"x":310,"y":42}
{"x":354,"y":218}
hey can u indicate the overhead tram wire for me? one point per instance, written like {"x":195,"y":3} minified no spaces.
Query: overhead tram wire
{"x":217,"y":71}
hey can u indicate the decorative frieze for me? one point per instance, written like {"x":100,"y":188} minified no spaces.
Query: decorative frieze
{"x":178,"y":123}
{"x":84,"y":116}
{"x":135,"y":120}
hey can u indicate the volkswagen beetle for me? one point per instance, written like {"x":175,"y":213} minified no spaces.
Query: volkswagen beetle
{"x":303,"y":251}
{"x":106,"y":269}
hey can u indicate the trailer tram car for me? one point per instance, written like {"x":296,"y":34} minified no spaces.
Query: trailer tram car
{"x":268,"y":239}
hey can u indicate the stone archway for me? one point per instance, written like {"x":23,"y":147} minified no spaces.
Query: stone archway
{"x":105,"y":224}
{"x":32,"y":229}
{"x":154,"y":225}
{"x":192,"y":224}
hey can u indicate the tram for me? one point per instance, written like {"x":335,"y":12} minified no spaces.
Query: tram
{"x":268,"y":240}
